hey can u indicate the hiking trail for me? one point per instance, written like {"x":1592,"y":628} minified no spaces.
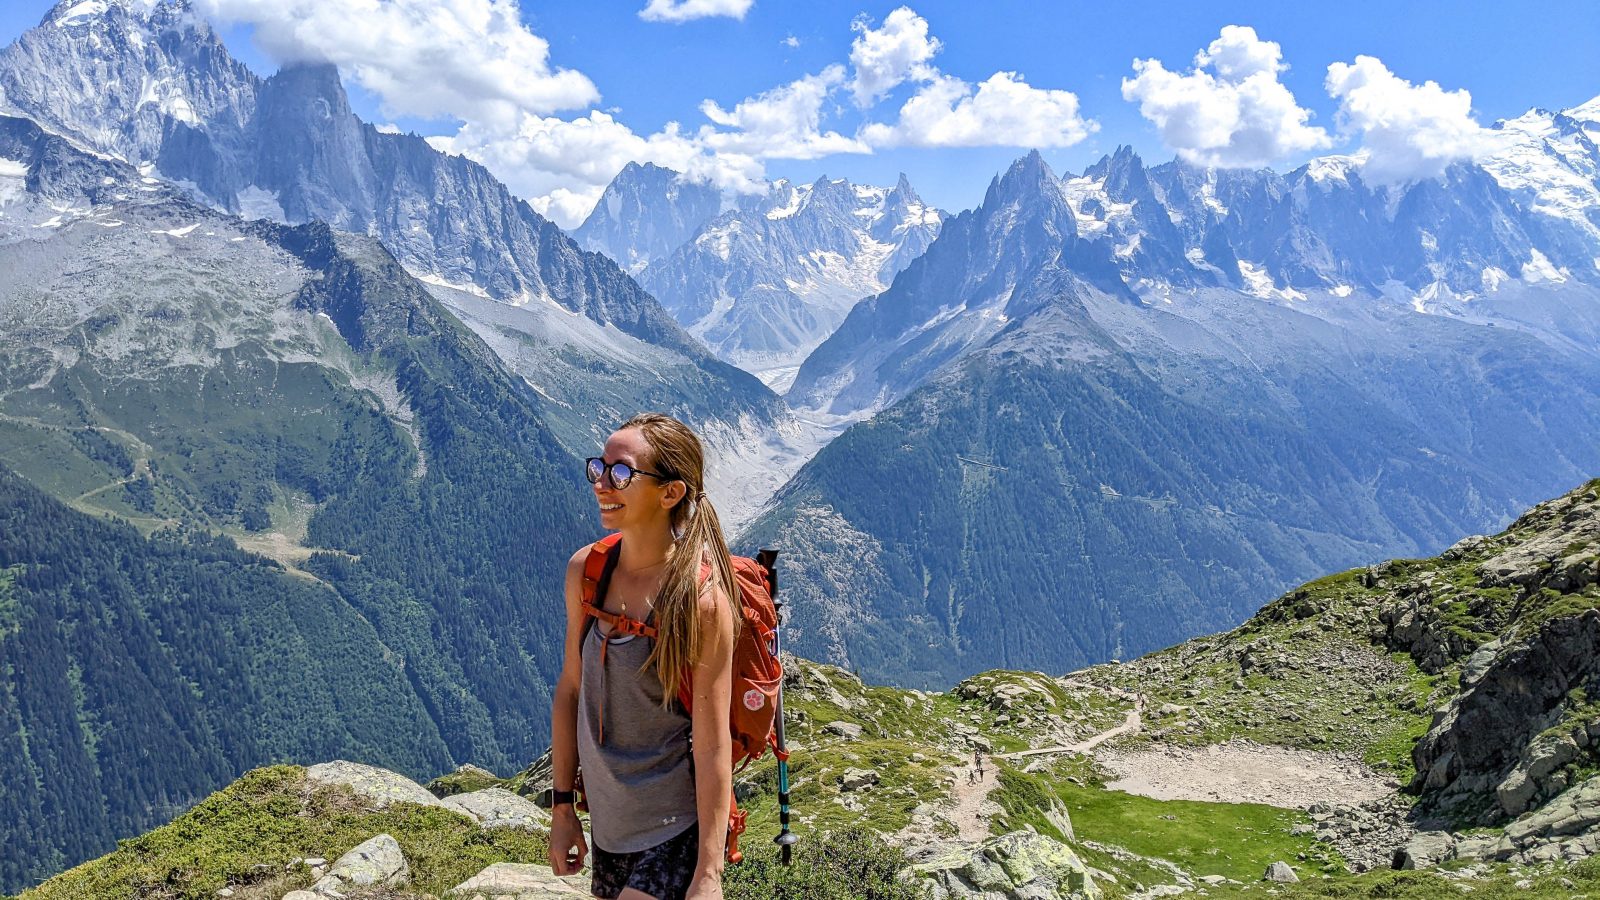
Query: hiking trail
{"x":969,"y":814}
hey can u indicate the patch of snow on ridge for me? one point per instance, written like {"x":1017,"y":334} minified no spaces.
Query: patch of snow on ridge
{"x":1494,"y":276}
{"x":1258,"y":282}
{"x":81,"y":13}
{"x":13,"y":180}
{"x":177,"y":232}
{"x":1332,"y":168}
{"x":1434,"y":297}
{"x":789,"y":208}
{"x":1539,"y":268}
{"x":259,"y":203}
{"x":1208,"y":194}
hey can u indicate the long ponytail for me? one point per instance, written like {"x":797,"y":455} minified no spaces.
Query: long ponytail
{"x":697,"y":540}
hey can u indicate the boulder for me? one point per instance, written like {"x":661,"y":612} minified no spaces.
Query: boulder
{"x":1280,"y":873}
{"x":377,"y":860}
{"x":1021,"y":865}
{"x":519,"y":881}
{"x":499,"y":808}
{"x":1425,"y":850}
{"x":849,"y":730}
{"x":857,"y":779}
{"x":380,"y":786}
{"x":466,"y":777}
{"x":301,"y":895}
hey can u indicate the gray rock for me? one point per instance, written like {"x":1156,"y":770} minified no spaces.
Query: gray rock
{"x":849,"y":730}
{"x":858,"y":779}
{"x":1281,"y":873}
{"x":520,"y":881}
{"x":377,"y":860}
{"x":1515,"y":793}
{"x":301,"y":895}
{"x":380,"y":786}
{"x":498,"y":808}
{"x":1021,"y":865}
{"x":1478,"y":663}
{"x":1425,"y":850}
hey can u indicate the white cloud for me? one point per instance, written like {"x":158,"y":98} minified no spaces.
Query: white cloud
{"x":466,"y":59}
{"x":1407,"y":130}
{"x":1230,"y":110}
{"x":785,"y":122}
{"x":1004,"y":111}
{"x":686,"y":10}
{"x":888,"y":56}
{"x":791,"y":42}
{"x":562,"y":166}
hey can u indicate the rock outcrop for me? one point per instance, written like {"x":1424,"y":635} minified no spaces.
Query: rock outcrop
{"x":1017,"y":866}
{"x":519,"y":881}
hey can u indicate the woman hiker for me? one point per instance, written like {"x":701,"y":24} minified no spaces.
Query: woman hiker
{"x":658,"y":780}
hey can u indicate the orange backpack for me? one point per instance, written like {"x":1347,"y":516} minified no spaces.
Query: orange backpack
{"x":757,"y":671}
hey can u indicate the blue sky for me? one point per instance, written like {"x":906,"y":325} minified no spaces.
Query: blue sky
{"x":1510,"y":57}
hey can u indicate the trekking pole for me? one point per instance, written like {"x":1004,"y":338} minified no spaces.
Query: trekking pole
{"x":786,"y":839}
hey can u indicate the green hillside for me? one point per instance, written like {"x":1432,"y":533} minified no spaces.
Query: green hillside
{"x":297,"y":392}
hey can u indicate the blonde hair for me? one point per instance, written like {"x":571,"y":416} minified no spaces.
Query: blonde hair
{"x":676,"y":453}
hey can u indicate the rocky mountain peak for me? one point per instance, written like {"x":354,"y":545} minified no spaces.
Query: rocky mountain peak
{"x":646,"y":212}
{"x":1029,"y":176}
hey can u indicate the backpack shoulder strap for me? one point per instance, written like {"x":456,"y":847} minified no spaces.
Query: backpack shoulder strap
{"x":597,"y":569}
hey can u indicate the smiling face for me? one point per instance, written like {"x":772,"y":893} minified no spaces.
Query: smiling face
{"x":646,"y":502}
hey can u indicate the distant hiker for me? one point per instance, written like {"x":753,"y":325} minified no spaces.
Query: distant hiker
{"x":658,"y":780}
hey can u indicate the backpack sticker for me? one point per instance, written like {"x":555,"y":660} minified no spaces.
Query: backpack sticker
{"x":754,"y":699}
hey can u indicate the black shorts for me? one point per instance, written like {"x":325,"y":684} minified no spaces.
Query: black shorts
{"x":663,"y":871}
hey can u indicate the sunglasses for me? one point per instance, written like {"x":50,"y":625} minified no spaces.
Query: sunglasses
{"x":620,"y":474}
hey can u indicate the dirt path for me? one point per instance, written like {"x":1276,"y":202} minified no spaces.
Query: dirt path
{"x":968,"y":815}
{"x":972,"y":786}
{"x":1131,"y":724}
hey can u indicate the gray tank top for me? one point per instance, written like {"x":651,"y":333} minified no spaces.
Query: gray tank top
{"x":638,"y":774}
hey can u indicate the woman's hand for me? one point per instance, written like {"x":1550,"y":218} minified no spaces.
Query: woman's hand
{"x":567,"y":848}
{"x":705,"y":887}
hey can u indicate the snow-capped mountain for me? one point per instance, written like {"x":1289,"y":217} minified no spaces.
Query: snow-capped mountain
{"x":764,"y":281}
{"x":149,"y":83}
{"x":1529,"y":212}
{"x":645,"y":213}
{"x":1129,"y":405}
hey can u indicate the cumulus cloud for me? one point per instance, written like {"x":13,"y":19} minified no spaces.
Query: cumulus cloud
{"x":1230,"y":110}
{"x":676,"y":11}
{"x":785,"y":122}
{"x":466,"y":59}
{"x":1407,"y":130}
{"x":791,"y":42}
{"x":563,"y":165}
{"x":1004,"y":110}
{"x":890,"y":55}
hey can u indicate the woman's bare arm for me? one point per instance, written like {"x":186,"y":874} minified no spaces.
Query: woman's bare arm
{"x":566,"y":832}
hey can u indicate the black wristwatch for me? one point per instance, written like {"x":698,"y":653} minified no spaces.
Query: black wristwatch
{"x":559,"y":797}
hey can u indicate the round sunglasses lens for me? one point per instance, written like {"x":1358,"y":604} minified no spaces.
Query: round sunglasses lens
{"x":621,"y":475}
{"x":593,"y":469}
